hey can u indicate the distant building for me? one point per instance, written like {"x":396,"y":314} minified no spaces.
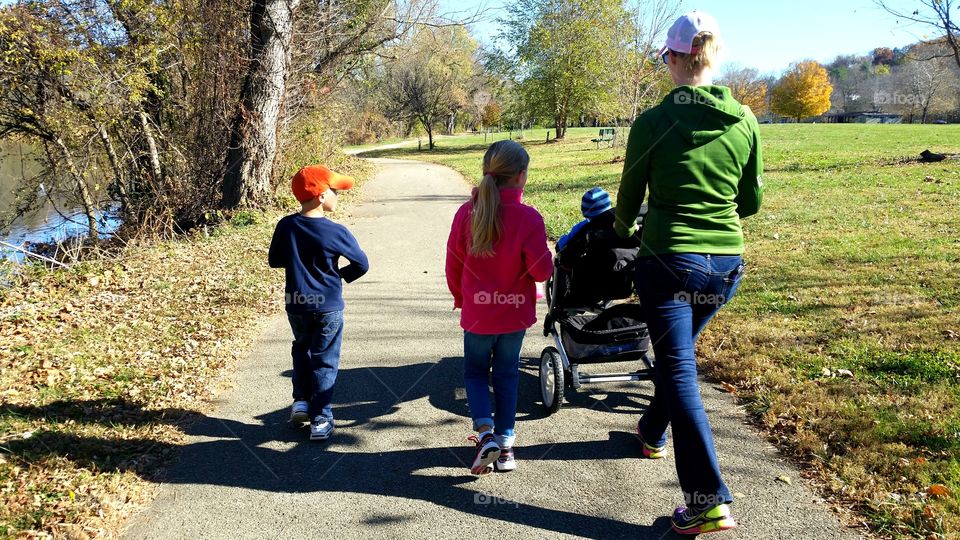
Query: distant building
{"x":860,"y":118}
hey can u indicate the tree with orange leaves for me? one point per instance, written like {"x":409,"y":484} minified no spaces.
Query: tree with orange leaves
{"x":747,"y":87}
{"x":803,"y":91}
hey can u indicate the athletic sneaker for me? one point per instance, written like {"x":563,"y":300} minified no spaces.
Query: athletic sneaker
{"x":651,"y":452}
{"x":488,"y":451}
{"x":298,"y":412}
{"x":321,"y":428}
{"x":506,"y":462}
{"x":702,"y":520}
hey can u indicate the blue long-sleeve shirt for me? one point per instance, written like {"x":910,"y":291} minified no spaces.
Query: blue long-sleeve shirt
{"x":309,"y":250}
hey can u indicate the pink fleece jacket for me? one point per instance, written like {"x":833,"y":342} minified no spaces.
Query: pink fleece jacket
{"x":497,"y":294}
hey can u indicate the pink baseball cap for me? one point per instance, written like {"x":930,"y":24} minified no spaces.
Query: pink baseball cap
{"x":681,"y":33}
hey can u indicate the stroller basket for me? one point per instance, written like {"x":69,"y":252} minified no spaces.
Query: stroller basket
{"x":613,"y":332}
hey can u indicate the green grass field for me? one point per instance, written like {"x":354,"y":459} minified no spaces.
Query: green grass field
{"x":852,"y":265}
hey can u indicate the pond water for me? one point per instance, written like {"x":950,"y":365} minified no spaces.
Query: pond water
{"x":56,"y":218}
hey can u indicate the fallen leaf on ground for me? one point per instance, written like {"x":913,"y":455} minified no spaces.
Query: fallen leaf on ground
{"x":785,"y":479}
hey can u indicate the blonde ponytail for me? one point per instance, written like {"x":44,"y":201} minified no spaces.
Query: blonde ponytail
{"x":708,"y":50}
{"x":503,"y":161}
{"x":486,"y":226}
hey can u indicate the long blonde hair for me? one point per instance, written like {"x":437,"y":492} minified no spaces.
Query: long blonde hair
{"x":708,"y":50}
{"x":503,"y":161}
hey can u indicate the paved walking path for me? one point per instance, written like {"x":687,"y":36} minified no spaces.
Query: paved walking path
{"x":395,"y":468}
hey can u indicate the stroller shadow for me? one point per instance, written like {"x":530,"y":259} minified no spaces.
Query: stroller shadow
{"x":611,"y":398}
{"x":268,"y":456}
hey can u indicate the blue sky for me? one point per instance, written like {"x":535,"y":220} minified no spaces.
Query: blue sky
{"x":769,"y":35}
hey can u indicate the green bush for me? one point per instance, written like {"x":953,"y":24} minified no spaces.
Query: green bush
{"x":244,"y":218}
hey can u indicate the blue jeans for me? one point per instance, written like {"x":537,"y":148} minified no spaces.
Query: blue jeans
{"x":680,"y":293}
{"x":501,"y":352}
{"x":316,"y":358}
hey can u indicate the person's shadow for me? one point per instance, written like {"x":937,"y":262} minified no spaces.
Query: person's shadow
{"x":247,"y":455}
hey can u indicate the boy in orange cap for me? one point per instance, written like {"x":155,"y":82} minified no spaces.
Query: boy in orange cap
{"x":308,"y":246}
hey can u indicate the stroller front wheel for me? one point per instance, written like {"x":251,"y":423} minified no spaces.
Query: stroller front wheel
{"x":551,"y":380}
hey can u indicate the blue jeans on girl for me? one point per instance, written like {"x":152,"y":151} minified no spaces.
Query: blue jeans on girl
{"x":501,"y":354}
{"x":316,"y":358}
{"x":680,"y":293}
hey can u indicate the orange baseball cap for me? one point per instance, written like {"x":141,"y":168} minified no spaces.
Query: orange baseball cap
{"x":312,"y":181}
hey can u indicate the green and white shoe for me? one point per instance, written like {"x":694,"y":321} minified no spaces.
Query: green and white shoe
{"x":702,"y":520}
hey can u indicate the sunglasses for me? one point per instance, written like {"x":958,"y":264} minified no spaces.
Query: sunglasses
{"x":666,"y":57}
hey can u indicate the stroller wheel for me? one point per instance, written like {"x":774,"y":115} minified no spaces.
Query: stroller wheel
{"x":551,"y":380}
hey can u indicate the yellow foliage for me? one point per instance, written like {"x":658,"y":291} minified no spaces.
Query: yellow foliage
{"x":803,"y":91}
{"x":752,"y":94}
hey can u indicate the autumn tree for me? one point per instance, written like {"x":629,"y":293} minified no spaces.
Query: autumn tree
{"x":883,"y":56}
{"x":563,"y":53}
{"x":429,"y":85}
{"x":36,"y":61}
{"x":492,"y":113}
{"x":747,"y":87}
{"x":802,"y":92}
{"x":113,"y":105}
{"x":480,"y":99}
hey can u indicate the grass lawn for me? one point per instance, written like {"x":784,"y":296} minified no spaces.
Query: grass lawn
{"x":853,"y":266}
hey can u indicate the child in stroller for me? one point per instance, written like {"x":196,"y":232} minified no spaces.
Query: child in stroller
{"x":593,"y":269}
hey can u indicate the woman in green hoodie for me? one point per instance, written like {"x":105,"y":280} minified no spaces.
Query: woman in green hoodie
{"x":698,"y":154}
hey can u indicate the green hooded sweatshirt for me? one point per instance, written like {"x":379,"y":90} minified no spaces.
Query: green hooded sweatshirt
{"x":699,"y":154}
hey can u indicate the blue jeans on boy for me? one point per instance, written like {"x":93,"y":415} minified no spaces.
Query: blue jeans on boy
{"x":680,"y":293}
{"x":316,"y":358}
{"x":501,"y":353}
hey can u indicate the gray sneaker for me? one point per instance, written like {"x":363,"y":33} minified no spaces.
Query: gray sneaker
{"x":321,"y":428}
{"x":298,"y":412}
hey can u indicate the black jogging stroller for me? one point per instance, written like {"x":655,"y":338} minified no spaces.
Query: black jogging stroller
{"x":591,"y":316}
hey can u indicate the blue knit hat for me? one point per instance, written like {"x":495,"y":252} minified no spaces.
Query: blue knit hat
{"x":595,"y":202}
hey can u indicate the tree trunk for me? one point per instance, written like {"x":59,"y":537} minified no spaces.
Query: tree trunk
{"x":85,"y":200}
{"x":560,"y":125}
{"x":152,"y":147}
{"x":429,"y":127}
{"x":118,"y":180}
{"x":253,"y":135}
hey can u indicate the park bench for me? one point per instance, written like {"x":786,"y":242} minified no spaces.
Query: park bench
{"x":606,"y":135}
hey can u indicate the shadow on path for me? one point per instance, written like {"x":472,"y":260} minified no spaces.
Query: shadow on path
{"x":271,"y":456}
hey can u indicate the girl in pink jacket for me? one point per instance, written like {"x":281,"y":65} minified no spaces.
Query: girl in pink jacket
{"x":496,"y":253}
